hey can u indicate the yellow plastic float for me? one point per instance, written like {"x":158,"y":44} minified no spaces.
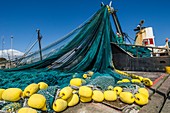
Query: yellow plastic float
{"x":1,"y":91}
{"x":147,"y":82}
{"x":125,"y":80}
{"x":140,"y":78}
{"x":121,"y":72}
{"x":85,"y":99}
{"x":144,"y":91}
{"x":90,"y":73}
{"x":26,"y":110}
{"x":118,"y":89}
{"x":110,"y":95}
{"x":37,"y":101}
{"x":85,"y":91}
{"x":118,"y":82}
{"x":110,"y":87}
{"x":42,"y":85}
{"x":30,"y":90}
{"x":127,"y":97}
{"x":73,"y":100}
{"x":85,"y":75}
{"x":66,"y":93}
{"x":76,"y":82}
{"x":135,"y":81}
{"x":59,"y":105}
{"x":12,"y":94}
{"x":141,"y":99}
{"x":167,"y":69}
{"x":98,"y":96}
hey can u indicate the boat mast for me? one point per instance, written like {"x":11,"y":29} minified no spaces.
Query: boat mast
{"x":116,"y":21}
{"x":3,"y":42}
{"x":12,"y":47}
{"x":39,"y":41}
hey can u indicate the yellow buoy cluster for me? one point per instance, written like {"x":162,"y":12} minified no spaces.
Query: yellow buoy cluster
{"x":68,"y":96}
{"x":135,"y":78}
{"x":140,"y":97}
{"x":77,"y":92}
{"x":36,"y":101}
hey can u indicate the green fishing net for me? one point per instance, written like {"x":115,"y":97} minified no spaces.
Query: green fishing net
{"x":137,"y":51}
{"x":85,"y":48}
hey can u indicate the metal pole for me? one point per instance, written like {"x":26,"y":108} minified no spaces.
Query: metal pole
{"x":12,"y":47}
{"x":39,"y":41}
{"x":117,"y":24}
{"x":3,"y":42}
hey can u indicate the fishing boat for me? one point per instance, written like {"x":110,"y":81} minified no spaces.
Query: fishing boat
{"x":143,"y":54}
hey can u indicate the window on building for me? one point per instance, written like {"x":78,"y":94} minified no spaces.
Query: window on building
{"x":151,"y":41}
{"x":145,"y":41}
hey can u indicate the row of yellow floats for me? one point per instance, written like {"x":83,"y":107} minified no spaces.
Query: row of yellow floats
{"x":70,"y":96}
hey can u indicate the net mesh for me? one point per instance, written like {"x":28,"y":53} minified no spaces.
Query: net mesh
{"x":137,"y":51}
{"x":86,"y":48}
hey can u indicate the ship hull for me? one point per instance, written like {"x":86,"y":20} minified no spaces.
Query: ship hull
{"x":123,"y":61}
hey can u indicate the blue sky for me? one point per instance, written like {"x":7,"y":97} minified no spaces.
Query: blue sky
{"x":56,"y":18}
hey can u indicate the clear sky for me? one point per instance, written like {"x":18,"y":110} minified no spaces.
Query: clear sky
{"x":55,"y":18}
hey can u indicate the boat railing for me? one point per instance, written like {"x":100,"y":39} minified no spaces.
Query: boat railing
{"x":154,"y":51}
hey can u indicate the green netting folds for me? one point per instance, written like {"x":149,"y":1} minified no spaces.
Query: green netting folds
{"x":86,"y":48}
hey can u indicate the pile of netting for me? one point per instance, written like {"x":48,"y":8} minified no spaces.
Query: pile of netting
{"x":83,"y":55}
{"x":86,"y":48}
{"x":137,"y":51}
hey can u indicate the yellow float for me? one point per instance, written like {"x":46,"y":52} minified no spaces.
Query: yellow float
{"x":85,"y":99}
{"x":110,"y":95}
{"x":118,"y":90}
{"x":66,"y":93}
{"x":144,"y":91}
{"x":73,"y":100}
{"x":37,"y":101}
{"x":12,"y":94}
{"x":98,"y":96}
{"x":1,"y":91}
{"x":26,"y":110}
{"x":85,"y":76}
{"x":59,"y":105}
{"x":30,"y":90}
{"x":125,"y":80}
{"x":76,"y":82}
{"x":42,"y":85}
{"x":147,"y":82}
{"x":127,"y":97}
{"x":141,"y":99}
{"x":135,"y":81}
{"x":85,"y":91}
{"x":90,"y":73}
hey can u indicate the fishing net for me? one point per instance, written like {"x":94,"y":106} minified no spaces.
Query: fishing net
{"x":137,"y":51}
{"x":85,"y":48}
